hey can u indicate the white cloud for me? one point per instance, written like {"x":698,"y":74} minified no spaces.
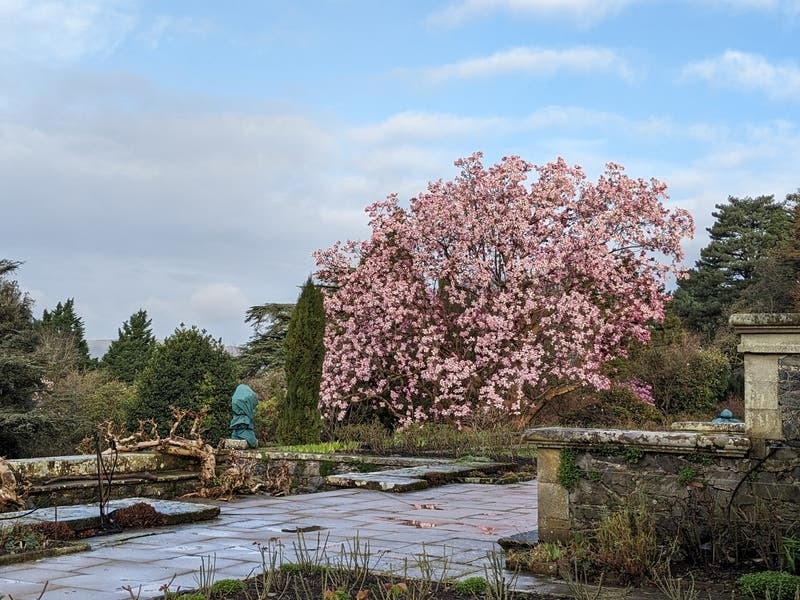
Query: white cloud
{"x":532,"y":61}
{"x":582,"y":11}
{"x":219,"y":301}
{"x":408,"y":125}
{"x":166,"y":27}
{"x":748,"y":71}
{"x":61,"y":31}
{"x":784,"y":6}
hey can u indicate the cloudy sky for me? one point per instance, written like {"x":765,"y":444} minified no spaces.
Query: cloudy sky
{"x":187,"y":157}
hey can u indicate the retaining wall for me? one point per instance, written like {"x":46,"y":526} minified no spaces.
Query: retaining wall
{"x":746,"y":474}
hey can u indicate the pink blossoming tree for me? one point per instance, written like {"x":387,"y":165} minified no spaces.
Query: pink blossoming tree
{"x":491,"y":294}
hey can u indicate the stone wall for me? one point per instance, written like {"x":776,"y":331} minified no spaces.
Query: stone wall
{"x":707,"y":476}
{"x":68,"y":480}
{"x":789,"y":395}
{"x":581,"y":483}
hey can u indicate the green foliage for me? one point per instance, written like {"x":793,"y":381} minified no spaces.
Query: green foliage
{"x":227,"y":586}
{"x":129,"y":353}
{"x":270,"y":387}
{"x":746,"y":230}
{"x":189,"y":370}
{"x":616,"y":407}
{"x":64,"y":321}
{"x":19,"y":371}
{"x":791,"y":553}
{"x":440,"y":439}
{"x":626,"y":543}
{"x":318,"y":448}
{"x":75,"y":404}
{"x":22,"y":433}
{"x":633,"y":455}
{"x":568,"y":471}
{"x":770,"y":585}
{"x":299,"y":420}
{"x":472,"y":586}
{"x":21,"y":538}
{"x":687,"y":475}
{"x":684,"y":376}
{"x":266,"y":350}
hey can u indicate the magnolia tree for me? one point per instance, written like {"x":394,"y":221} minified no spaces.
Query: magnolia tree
{"x":489,"y":293}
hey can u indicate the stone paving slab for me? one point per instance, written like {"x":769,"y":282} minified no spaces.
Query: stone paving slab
{"x":87,"y":516}
{"x":412,"y":478}
{"x":472,"y":518}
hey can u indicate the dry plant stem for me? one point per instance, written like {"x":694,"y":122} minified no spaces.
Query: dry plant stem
{"x":204,"y":578}
{"x":497,"y":586}
{"x":580,"y":588}
{"x":270,"y":583}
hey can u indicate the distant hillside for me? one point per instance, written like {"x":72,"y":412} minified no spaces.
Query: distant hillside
{"x":98,"y":348}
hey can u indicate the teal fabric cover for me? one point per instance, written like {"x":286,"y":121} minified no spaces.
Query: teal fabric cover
{"x":243,"y":404}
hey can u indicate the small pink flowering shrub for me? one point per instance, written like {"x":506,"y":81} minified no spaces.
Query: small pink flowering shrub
{"x":491,"y":293}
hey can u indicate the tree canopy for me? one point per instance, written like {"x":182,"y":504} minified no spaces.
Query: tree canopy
{"x":489,"y":293}
{"x":743,"y":242}
{"x":129,"y":353}
{"x":266,"y":349}
{"x":19,"y":373}
{"x":66,"y":324}
{"x":298,"y":413}
{"x":189,"y":370}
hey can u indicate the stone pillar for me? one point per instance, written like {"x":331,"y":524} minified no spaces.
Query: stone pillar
{"x":554,"y":520}
{"x":766,"y":341}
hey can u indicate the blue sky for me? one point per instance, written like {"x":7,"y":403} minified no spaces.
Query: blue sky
{"x":187,"y":157}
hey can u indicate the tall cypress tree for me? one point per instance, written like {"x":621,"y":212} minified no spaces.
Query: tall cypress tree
{"x":299,"y":420}
{"x":129,"y":353}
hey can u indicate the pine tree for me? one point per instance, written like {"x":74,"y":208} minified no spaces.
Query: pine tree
{"x":65,"y":322}
{"x":745,"y":233}
{"x":299,"y":420}
{"x":129,"y":353}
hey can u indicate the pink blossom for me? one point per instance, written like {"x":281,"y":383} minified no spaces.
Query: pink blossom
{"x":489,"y":292}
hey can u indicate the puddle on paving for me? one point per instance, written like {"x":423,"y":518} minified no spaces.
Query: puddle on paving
{"x":425,"y":507}
{"x":302,"y":529}
{"x":414,"y":523}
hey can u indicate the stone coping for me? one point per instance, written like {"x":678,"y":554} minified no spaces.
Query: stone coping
{"x":707,"y":426}
{"x":411,"y":478}
{"x":765,"y":320}
{"x":678,"y":442}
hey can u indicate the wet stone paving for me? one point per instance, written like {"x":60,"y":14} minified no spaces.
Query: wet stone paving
{"x":454,"y":525}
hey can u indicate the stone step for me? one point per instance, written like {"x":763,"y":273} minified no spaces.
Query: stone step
{"x":90,"y":481}
{"x":408,"y":479}
{"x":80,"y":489}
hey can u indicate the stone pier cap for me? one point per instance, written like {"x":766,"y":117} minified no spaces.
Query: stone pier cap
{"x":767,"y":333}
{"x":719,"y":442}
